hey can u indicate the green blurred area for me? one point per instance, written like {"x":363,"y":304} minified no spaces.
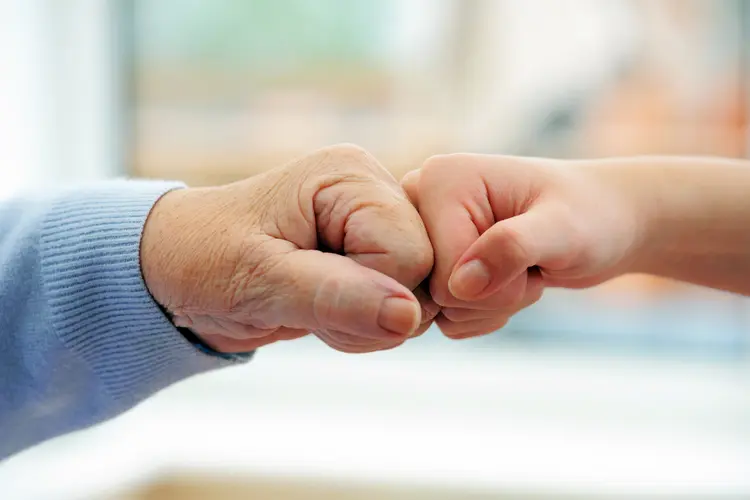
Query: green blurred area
{"x":248,"y":35}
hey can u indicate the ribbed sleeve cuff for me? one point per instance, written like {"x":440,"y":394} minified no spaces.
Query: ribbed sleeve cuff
{"x":100,"y":306}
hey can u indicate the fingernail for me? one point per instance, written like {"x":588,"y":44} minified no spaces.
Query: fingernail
{"x":469,"y":280}
{"x":399,"y":315}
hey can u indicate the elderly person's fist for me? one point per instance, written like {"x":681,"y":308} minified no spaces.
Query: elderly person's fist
{"x":328,"y":244}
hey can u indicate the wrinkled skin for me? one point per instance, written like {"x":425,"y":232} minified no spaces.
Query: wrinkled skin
{"x":328,"y":244}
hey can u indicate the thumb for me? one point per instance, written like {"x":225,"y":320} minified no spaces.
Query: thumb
{"x":313,"y":290}
{"x":507,"y":250}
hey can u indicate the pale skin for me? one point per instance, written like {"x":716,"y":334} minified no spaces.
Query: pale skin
{"x":504,"y":228}
{"x":331,"y":244}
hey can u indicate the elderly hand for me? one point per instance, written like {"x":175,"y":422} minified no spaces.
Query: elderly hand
{"x":328,"y":244}
{"x":502,"y":228}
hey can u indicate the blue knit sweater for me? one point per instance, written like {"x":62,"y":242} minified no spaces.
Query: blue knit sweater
{"x":81,"y":339}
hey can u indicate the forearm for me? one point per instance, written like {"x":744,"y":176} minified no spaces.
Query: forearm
{"x":695,"y":218}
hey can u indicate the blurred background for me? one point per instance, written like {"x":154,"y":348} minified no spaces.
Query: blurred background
{"x":634,"y":389}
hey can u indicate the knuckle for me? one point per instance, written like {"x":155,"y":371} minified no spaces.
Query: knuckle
{"x":353,"y":156}
{"x":438,"y":165}
{"x":411,"y":261}
{"x":417,"y":259}
{"x":326,"y":301}
{"x":434,"y":168}
{"x":424,"y":259}
{"x":340,"y":162}
{"x":441,"y":162}
{"x":349,"y":150}
{"x":434,"y":162}
{"x":512,"y":243}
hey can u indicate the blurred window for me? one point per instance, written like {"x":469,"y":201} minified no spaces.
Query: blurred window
{"x":227,"y":88}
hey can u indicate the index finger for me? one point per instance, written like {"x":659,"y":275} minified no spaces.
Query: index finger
{"x":362,"y":211}
{"x":455,"y":209}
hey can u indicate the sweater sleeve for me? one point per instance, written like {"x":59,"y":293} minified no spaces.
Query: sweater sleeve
{"x":81,"y":339}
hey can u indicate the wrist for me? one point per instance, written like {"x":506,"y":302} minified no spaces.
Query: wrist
{"x":157,"y":240}
{"x":627,"y":208}
{"x":644,"y":189}
{"x":684,"y":207}
{"x":162,"y":268}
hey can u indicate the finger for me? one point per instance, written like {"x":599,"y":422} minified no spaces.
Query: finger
{"x":308,"y":289}
{"x":430,"y":309}
{"x":512,"y":297}
{"x":460,"y":314}
{"x":507,"y":250}
{"x":507,"y":298}
{"x":345,"y":342}
{"x":468,"y":329}
{"x":455,"y":208}
{"x":362,"y":212}
{"x":422,"y":329}
{"x":532,"y":296}
{"x":359,"y":349}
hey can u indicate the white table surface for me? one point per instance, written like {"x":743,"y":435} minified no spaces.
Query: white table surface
{"x":434,"y":413}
